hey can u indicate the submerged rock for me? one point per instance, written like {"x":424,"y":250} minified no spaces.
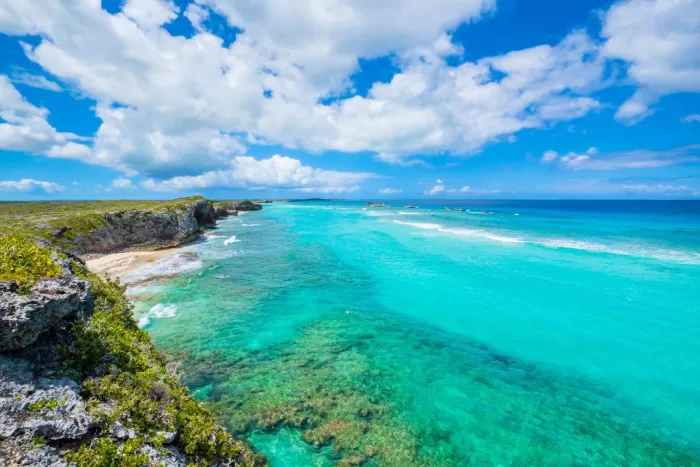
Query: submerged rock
{"x":24,"y":317}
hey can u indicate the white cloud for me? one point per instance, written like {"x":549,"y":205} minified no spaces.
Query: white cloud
{"x":396,"y":159}
{"x":277,"y":171}
{"x":150,"y":13}
{"x":691,"y":118}
{"x":465,"y":189}
{"x":549,"y":156}
{"x":659,"y":41}
{"x":29,"y":184}
{"x":180,"y":93}
{"x":573,"y":160}
{"x":36,"y":81}
{"x":390,"y":191}
{"x":438,"y":188}
{"x":658,"y":188}
{"x":189,"y":106}
{"x":639,"y":159}
{"x":26,"y":127}
{"x":122,"y":183}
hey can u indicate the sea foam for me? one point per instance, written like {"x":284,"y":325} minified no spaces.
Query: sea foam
{"x":632,"y":250}
{"x":158,"y":311}
{"x":231,"y":239}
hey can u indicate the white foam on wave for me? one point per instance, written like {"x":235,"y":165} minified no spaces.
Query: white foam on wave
{"x":639,"y":251}
{"x":378,"y":214}
{"x":177,"y":263}
{"x":250,"y":225}
{"x":421,"y":225}
{"x":231,"y":239}
{"x":478,"y":233}
{"x":410,"y":213}
{"x":158,"y":311}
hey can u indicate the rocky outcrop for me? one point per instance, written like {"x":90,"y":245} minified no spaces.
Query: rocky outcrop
{"x":140,"y":229}
{"x":53,"y":301}
{"x":204,"y":213}
{"x":248,"y":206}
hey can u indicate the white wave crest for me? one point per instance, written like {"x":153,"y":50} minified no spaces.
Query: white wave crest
{"x":250,"y":225}
{"x":230,"y":240}
{"x":170,"y":265}
{"x":158,"y":311}
{"x":639,"y":251}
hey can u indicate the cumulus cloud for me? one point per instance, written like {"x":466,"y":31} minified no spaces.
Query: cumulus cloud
{"x":122,"y":183}
{"x":437,"y":189}
{"x":658,"y":40}
{"x":276,"y":171}
{"x":175,"y":106}
{"x":25,"y":126}
{"x":175,"y":94}
{"x":28,"y":184}
{"x":691,"y":118}
{"x":638,"y":159}
{"x":465,"y":189}
{"x":390,"y":191}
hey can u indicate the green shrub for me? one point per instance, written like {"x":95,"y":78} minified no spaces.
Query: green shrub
{"x":48,"y":404}
{"x":24,"y":261}
{"x":121,"y":366}
{"x":103,"y":452}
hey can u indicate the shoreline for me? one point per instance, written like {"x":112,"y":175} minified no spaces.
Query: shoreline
{"x":117,"y":265}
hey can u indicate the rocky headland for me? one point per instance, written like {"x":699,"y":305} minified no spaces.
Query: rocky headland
{"x":80,"y":383}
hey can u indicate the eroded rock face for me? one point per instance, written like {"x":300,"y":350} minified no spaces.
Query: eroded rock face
{"x":140,"y":229}
{"x":24,"y":317}
{"x":248,"y":206}
{"x":38,"y":406}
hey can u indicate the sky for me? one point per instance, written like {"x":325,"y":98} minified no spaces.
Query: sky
{"x":355,"y":99}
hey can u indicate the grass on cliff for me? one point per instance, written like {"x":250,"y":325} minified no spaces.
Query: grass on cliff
{"x":129,"y":382}
{"x":25,"y":262}
{"x":80,"y":217}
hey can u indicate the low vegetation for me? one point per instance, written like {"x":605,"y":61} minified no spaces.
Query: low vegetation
{"x":126,"y":381}
{"x":43,"y":218}
{"x":25,"y":262}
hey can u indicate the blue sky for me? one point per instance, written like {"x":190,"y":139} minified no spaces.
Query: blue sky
{"x":355,"y":99}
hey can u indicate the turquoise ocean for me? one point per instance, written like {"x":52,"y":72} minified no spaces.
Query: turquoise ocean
{"x":510,"y":333}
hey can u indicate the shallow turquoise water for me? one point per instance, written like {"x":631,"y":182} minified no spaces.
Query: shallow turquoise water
{"x":563,"y":335}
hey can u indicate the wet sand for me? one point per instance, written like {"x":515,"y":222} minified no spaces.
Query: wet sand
{"x":117,"y":265}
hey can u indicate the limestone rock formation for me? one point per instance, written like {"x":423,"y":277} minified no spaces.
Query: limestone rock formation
{"x":24,"y":317}
{"x":248,"y":206}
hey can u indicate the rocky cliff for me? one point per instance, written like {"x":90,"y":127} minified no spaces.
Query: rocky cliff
{"x":80,"y":383}
{"x":136,"y":229}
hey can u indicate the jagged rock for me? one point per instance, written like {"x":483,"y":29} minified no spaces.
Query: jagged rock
{"x":168,"y":436}
{"x":119,"y":431}
{"x":28,"y":406}
{"x":24,"y":317}
{"x":248,"y":206}
{"x":221,"y":212}
{"x":168,"y":457}
{"x":42,"y":456}
{"x":205,"y":213}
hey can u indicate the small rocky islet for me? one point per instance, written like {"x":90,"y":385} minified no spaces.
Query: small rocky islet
{"x":80,"y":383}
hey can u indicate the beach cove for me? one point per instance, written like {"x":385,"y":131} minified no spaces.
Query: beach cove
{"x":333,"y":333}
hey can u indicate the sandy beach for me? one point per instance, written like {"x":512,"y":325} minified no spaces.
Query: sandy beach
{"x":117,"y":265}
